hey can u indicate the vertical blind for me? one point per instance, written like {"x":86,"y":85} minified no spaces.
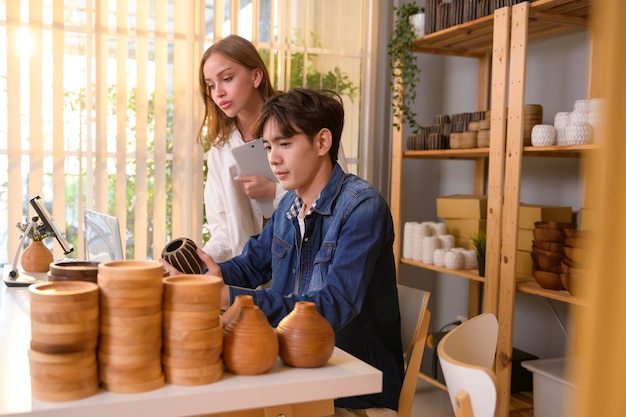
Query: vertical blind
{"x":99,"y":103}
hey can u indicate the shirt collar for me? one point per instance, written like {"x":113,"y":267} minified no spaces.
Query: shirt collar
{"x":297,"y":205}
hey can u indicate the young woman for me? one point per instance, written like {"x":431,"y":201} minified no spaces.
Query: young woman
{"x":234,"y":83}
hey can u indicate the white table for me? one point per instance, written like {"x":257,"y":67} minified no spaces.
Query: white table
{"x":284,"y":390}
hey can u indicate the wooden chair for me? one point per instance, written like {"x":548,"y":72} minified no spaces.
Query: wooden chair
{"x":415,"y":317}
{"x":467,"y":355}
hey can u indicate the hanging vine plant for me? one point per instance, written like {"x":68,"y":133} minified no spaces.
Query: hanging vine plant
{"x":403,"y":64}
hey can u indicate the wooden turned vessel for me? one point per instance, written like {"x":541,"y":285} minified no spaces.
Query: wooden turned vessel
{"x":250,"y":343}
{"x":181,"y":254}
{"x":306,"y":339}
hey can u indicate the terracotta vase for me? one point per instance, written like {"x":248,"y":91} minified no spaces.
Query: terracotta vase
{"x":231,"y":312}
{"x":250,"y":343}
{"x":181,"y":254}
{"x":306,"y":339}
{"x":36,"y":257}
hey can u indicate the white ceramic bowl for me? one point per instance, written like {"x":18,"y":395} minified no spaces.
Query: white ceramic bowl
{"x":438,"y":257}
{"x":543,"y":135}
{"x":560,"y":119}
{"x":470,"y":261}
{"x":446,"y":242}
{"x":454,"y":260}
{"x":577,"y":117}
{"x":581,"y":105}
{"x":578,"y":134}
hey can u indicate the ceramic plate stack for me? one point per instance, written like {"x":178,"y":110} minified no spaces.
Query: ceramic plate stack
{"x":129,"y":352}
{"x":64,"y":335}
{"x":533,"y":115}
{"x":192,"y":332}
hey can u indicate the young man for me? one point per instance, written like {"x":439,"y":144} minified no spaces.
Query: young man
{"x":329,"y":241}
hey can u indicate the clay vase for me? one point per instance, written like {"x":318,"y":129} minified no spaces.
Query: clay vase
{"x":181,"y":254}
{"x":36,"y":257}
{"x":231,"y":312}
{"x":250,"y":345}
{"x":306,"y":339}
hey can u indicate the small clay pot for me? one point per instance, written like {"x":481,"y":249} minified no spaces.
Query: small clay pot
{"x":181,"y":254}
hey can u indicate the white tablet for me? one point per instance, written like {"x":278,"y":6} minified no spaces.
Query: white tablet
{"x":252,"y":160}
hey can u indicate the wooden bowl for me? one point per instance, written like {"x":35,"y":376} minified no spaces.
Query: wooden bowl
{"x":547,"y":253}
{"x":549,"y":246}
{"x":130,"y":274}
{"x":548,"y":280}
{"x":73,"y":271}
{"x":574,"y":279}
{"x":555,"y":225}
{"x":543,"y":261}
{"x":189,"y":289}
{"x":576,"y":255}
{"x":548,"y":235}
{"x":63,"y":292}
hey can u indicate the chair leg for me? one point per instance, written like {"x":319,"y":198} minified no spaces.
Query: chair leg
{"x":463,"y":405}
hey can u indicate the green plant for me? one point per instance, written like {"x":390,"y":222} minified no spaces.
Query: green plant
{"x":480,"y":243}
{"x":37,"y":232}
{"x":403,"y":64}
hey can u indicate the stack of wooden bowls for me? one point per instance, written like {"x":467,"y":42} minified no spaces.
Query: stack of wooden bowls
{"x":64,"y":335}
{"x":533,"y":115}
{"x":547,"y":253}
{"x":192,"y":331}
{"x":573,"y":265}
{"x":129,"y":352}
{"x":73,"y":271}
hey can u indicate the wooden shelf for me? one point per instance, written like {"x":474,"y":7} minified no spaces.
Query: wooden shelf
{"x":470,"y":154}
{"x":475,"y":38}
{"x":528,"y":285}
{"x":573,"y":151}
{"x":464,"y":273}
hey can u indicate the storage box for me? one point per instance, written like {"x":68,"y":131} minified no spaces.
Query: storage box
{"x":524,"y":263}
{"x":462,"y":206}
{"x":465,"y":228}
{"x":589,"y":219}
{"x":525,"y":240}
{"x":530,"y":213}
{"x":553,"y":391}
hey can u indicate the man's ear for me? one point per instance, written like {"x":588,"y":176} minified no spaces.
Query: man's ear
{"x":257,"y":77}
{"x":325,"y":141}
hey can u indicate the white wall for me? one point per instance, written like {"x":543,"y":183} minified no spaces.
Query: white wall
{"x":556,"y":76}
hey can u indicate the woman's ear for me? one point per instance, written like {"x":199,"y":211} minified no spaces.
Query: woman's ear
{"x":325,"y":141}
{"x":257,"y":77}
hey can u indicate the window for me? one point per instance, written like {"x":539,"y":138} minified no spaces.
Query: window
{"x":99,"y":105}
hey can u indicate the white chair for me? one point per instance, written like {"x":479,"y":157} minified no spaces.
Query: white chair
{"x":467,"y":355}
{"x":415,"y":317}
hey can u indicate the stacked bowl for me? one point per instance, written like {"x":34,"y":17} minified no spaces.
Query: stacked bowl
{"x":547,"y":253}
{"x":129,"y":352}
{"x":573,"y":265}
{"x":64,"y":335}
{"x":192,"y":332}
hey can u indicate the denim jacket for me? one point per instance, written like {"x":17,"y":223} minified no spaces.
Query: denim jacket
{"x":344,"y":263}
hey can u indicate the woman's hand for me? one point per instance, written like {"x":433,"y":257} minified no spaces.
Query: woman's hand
{"x":257,"y":187}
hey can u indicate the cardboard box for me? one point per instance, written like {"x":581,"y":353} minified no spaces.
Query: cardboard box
{"x":589,"y":219}
{"x":525,"y":240}
{"x":463,"y":242}
{"x":465,"y":228}
{"x":462,"y":206}
{"x":524,"y":263}
{"x":530,"y":213}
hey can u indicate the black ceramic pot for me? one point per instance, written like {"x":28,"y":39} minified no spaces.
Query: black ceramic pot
{"x":181,"y":254}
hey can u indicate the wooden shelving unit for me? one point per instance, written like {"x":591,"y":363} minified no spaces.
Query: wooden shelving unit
{"x":499,"y":42}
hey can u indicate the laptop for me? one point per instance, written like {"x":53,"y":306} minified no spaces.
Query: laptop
{"x":103,"y":243}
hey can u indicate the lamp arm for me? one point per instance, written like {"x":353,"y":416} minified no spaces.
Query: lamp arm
{"x":13,"y":274}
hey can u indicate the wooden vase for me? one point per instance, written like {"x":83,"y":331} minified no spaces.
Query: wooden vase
{"x":36,"y":257}
{"x":250,"y":343}
{"x":231,"y":312}
{"x":306,"y":339}
{"x":181,"y":254}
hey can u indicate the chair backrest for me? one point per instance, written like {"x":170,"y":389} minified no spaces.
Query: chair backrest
{"x":467,"y":355}
{"x":414,"y":317}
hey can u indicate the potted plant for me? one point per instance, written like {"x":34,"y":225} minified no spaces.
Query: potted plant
{"x":36,"y":257}
{"x":403,"y":65}
{"x":480,"y":244}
